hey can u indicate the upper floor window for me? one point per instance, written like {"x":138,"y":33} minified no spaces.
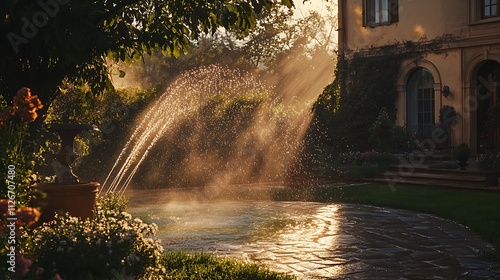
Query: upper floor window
{"x":381,"y":12}
{"x":483,"y":11}
{"x":488,"y":8}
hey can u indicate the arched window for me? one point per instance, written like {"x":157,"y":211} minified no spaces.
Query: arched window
{"x":420,"y":102}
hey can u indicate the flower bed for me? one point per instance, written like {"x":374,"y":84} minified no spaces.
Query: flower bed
{"x":371,"y":157}
{"x":111,"y":245}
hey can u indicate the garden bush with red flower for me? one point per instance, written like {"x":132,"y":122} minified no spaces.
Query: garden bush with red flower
{"x":15,"y":150}
{"x":111,"y":245}
{"x":26,"y":219}
{"x":382,"y":132}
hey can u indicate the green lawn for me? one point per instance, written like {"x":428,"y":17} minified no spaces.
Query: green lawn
{"x":206,"y":266}
{"x":478,"y":210}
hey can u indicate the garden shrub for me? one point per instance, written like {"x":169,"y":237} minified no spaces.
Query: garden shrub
{"x":371,"y":157}
{"x":382,"y":159}
{"x":16,"y":154}
{"x":361,"y":164}
{"x":225,"y":135}
{"x":382,"y":132}
{"x":26,"y":219}
{"x":111,"y":245}
{"x":404,"y":141}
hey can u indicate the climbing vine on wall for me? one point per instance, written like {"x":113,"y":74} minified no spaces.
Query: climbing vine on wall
{"x":348,"y":110}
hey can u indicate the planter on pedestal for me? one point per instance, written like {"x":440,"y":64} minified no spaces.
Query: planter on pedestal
{"x":67,"y":194}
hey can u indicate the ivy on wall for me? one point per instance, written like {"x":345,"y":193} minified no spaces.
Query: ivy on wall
{"x":370,"y":86}
{"x":347,"y":111}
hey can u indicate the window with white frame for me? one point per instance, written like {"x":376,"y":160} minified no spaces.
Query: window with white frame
{"x":380,"y":12}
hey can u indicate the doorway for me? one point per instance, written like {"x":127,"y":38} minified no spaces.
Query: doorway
{"x":420,"y":103}
{"x":487,"y":93}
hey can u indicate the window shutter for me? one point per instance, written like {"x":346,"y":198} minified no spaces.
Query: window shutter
{"x":394,"y":11}
{"x":365,"y":13}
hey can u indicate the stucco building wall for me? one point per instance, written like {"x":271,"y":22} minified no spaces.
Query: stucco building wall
{"x":456,"y":64}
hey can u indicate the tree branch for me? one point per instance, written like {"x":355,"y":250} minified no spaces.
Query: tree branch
{"x":114,"y":11}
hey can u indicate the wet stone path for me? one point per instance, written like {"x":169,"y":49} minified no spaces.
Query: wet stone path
{"x":326,"y":241}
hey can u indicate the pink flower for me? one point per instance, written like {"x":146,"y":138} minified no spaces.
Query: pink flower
{"x":22,"y":265}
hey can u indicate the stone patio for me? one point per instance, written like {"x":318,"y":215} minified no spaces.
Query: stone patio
{"x":324,"y":241}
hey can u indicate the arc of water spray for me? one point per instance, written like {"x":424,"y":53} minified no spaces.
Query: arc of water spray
{"x":186,"y":95}
{"x":148,"y":132}
{"x":120,"y":157}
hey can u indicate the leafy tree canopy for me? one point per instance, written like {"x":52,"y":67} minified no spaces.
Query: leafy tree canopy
{"x":294,"y":55}
{"x":46,"y":42}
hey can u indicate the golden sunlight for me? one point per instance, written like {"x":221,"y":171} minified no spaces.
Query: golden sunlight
{"x":419,"y":30}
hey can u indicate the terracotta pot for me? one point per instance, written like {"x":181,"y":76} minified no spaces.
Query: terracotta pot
{"x":77,"y":199}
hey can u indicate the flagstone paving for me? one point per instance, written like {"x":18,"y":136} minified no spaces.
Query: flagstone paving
{"x":362,"y":242}
{"x":326,"y":241}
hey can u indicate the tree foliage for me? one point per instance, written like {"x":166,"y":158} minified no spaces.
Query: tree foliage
{"x":44,"y":42}
{"x":157,"y":71}
{"x":296,"y":56}
{"x":279,"y":35}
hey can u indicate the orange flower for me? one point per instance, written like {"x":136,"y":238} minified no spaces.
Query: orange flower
{"x":27,"y":216}
{"x":36,"y":102}
{"x":26,"y":114}
{"x":25,"y":105}
{"x":22,"y":98}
